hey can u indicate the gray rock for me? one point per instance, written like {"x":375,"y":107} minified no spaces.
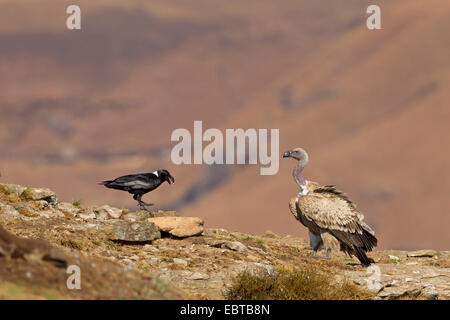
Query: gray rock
{"x":395,"y":292}
{"x":106,"y":212}
{"x":86,"y":214}
{"x":12,"y":189}
{"x":40,"y":194}
{"x":234,"y":245}
{"x":254,"y":268}
{"x":140,"y":215}
{"x":51,"y":213}
{"x":150,"y":248}
{"x":8,"y":212}
{"x":130,"y":231}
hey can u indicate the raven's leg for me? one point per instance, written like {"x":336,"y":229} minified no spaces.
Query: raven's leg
{"x":141,"y":203}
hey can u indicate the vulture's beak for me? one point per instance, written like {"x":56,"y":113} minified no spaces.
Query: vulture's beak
{"x":287,"y":154}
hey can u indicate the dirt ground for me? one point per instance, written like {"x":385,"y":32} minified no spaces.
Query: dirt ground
{"x":201,"y":266}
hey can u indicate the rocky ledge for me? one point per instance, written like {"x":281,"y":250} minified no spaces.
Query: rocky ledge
{"x":160,"y":255}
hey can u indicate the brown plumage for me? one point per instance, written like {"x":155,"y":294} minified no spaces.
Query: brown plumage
{"x":327,"y":210}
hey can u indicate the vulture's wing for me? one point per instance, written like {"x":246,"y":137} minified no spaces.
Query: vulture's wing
{"x":331,"y":210}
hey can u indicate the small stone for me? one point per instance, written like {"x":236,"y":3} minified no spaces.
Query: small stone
{"x":150,"y":248}
{"x":234,"y":245}
{"x":394,"y":258}
{"x":180,"y":261}
{"x":86,"y":214}
{"x":199,"y":276}
{"x":430,"y":292}
{"x":68,"y":207}
{"x":180,"y":227}
{"x":41,"y":204}
{"x":153,"y":261}
{"x":423,"y":253}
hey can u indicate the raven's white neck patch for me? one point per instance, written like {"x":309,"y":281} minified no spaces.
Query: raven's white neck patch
{"x":155,"y":173}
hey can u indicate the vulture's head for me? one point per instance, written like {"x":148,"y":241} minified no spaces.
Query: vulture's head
{"x":298,"y":154}
{"x":166,"y":176}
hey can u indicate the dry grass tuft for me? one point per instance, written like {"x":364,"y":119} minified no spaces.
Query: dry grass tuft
{"x":306,"y":283}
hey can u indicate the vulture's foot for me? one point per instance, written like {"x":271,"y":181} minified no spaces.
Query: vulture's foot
{"x":315,"y":256}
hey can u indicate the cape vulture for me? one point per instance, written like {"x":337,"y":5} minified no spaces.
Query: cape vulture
{"x":330,"y":216}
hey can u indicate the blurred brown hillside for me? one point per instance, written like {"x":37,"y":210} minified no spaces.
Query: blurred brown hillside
{"x":371,"y":107}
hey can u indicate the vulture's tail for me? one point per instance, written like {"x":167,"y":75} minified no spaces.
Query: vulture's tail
{"x":362,"y":257}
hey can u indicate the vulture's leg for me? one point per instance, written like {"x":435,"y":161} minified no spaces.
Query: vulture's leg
{"x":315,"y":241}
{"x":328,"y":255}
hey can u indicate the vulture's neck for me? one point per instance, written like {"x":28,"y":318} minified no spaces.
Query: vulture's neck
{"x":297,"y":173}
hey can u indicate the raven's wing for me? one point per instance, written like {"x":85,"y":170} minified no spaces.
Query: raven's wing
{"x":143,"y":181}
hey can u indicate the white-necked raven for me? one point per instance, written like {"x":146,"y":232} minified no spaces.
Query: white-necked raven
{"x":139,"y":184}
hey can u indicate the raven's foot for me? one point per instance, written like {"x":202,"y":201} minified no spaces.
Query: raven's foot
{"x":144,"y":206}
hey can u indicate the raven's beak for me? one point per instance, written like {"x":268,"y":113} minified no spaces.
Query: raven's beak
{"x":171,"y":180}
{"x":287,"y":154}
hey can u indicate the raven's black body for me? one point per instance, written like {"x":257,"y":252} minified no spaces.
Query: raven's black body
{"x":139,"y":184}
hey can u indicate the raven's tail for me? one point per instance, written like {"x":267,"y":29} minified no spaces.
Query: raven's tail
{"x":105,"y":183}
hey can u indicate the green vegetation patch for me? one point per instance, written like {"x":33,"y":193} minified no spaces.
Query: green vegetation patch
{"x":73,"y":244}
{"x":26,"y":194}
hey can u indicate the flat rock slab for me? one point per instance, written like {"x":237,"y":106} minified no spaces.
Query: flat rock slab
{"x":131,"y":231}
{"x":423,"y":253}
{"x":180,"y":227}
{"x":161,"y":213}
